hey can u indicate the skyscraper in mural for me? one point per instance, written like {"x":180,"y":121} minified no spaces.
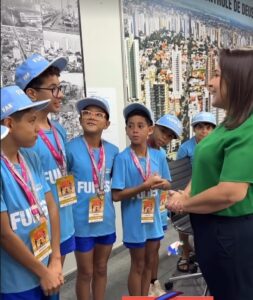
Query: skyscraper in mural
{"x":171,"y":51}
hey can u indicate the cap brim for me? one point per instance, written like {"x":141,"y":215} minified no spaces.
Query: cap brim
{"x":197,"y":122}
{"x":37,"y":105}
{"x":82,"y":104}
{"x":137,"y":106}
{"x":4,"y":132}
{"x":59,"y":63}
{"x":168,"y":127}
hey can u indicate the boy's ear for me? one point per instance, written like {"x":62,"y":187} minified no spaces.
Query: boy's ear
{"x":31,"y":93}
{"x":151,"y":129}
{"x":107,"y":124}
{"x":8,"y":122}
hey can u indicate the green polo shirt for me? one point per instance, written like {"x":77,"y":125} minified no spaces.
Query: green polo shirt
{"x":226,"y":156}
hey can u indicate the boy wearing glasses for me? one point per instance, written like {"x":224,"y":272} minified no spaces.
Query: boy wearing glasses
{"x":90,"y":160}
{"x":39,"y":78}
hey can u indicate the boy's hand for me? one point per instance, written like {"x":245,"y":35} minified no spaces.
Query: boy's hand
{"x":152,"y":181}
{"x":161,"y":185}
{"x":56,"y":266}
{"x":50,"y":282}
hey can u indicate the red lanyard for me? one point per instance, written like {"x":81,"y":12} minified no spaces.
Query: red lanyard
{"x":23,"y":182}
{"x":58,"y":155}
{"x":98,"y":170}
{"x":139,"y":167}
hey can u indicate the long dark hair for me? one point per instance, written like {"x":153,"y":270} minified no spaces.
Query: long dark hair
{"x":237,"y":79}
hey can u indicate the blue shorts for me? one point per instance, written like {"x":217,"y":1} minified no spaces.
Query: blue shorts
{"x":141,"y":245}
{"x":165,"y":227}
{"x":33,"y":294}
{"x":86,"y":244}
{"x":68,"y":246}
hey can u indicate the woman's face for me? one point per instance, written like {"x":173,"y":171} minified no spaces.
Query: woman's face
{"x":214,"y":86}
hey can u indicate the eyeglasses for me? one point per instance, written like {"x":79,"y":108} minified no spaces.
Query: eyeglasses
{"x":54,"y":90}
{"x":96,"y":114}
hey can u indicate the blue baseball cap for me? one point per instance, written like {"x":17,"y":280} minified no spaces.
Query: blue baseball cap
{"x":4,"y":131}
{"x":204,"y":117}
{"x":13,"y":99}
{"x":171,"y":122}
{"x":140,"y":107}
{"x":93,"y":101}
{"x":33,"y":66}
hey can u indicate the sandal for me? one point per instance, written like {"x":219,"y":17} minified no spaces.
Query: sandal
{"x":183,"y":265}
{"x":192,"y":257}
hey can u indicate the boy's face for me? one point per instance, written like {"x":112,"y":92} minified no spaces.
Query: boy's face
{"x":93,"y":120}
{"x":23,"y":130}
{"x":138,"y":130}
{"x":48,"y":90}
{"x":162,"y":136}
{"x":202,"y":130}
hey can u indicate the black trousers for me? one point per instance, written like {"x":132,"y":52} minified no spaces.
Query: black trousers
{"x":224,"y":249}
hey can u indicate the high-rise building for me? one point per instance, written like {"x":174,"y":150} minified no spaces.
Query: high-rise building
{"x":133,"y":68}
{"x":159,"y":99}
{"x":177,"y":73}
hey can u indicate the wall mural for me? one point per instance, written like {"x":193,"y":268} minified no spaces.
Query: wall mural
{"x":51,"y":28}
{"x":170,"y":50}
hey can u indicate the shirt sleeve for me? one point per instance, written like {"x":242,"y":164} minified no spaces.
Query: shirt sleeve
{"x":165,"y":167}
{"x":3,"y":204}
{"x":238,"y":159}
{"x":69,"y":157}
{"x":181,"y":152}
{"x":119,"y":173}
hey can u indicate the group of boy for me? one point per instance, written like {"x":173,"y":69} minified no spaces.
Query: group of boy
{"x":56,"y":196}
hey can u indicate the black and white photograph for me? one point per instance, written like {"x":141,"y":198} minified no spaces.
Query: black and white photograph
{"x":53,"y":30}
{"x":60,"y":15}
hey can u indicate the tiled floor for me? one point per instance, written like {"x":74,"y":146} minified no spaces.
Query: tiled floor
{"x":118,"y":271}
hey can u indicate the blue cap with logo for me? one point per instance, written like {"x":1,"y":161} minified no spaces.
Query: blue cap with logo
{"x":93,"y":101}
{"x":33,"y":66}
{"x":204,"y":117}
{"x":4,"y":131}
{"x":13,"y":99}
{"x":171,"y":122}
{"x":138,"y":107}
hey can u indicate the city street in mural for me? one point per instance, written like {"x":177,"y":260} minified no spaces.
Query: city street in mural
{"x":52,"y":29}
{"x":170,"y":50}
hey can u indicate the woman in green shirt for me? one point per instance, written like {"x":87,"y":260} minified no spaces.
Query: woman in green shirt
{"x":220,"y":196}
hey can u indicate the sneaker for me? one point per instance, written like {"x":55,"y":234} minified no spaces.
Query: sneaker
{"x":157,"y":289}
{"x":151,"y":291}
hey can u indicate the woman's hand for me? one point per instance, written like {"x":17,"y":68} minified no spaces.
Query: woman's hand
{"x":176,"y":201}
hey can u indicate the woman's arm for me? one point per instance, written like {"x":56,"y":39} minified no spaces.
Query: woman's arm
{"x":214,"y":199}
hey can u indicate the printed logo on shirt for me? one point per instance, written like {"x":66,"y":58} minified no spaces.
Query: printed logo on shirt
{"x":142,"y":195}
{"x":53,"y":175}
{"x":88,"y":187}
{"x":25,"y":217}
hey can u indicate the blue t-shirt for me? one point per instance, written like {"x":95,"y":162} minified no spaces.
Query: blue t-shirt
{"x":164,"y":214}
{"x":126,"y":175}
{"x":187,"y":149}
{"x":14,"y":277}
{"x":52,"y":173}
{"x":79,"y":164}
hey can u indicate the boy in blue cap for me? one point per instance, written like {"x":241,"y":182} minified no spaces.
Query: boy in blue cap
{"x":39,"y":78}
{"x":90,"y":160}
{"x":166,"y":128}
{"x":138,"y":174}
{"x":203,"y":124}
{"x":30,"y":254}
